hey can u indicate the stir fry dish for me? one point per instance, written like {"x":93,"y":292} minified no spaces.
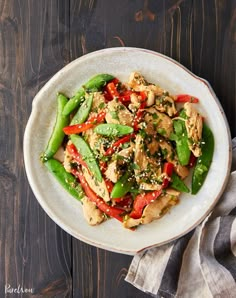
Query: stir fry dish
{"x":128,"y":148}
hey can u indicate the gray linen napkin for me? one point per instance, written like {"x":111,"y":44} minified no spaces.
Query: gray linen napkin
{"x":200,"y":264}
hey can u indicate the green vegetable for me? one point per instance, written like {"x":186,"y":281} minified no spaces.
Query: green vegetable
{"x":83,"y":111}
{"x":122,"y":186}
{"x":87,"y":155}
{"x":67,"y":180}
{"x":204,"y":161}
{"x":178,"y":183}
{"x":94,"y":84}
{"x":57,"y":135}
{"x":113,"y":130}
{"x":181,"y":139}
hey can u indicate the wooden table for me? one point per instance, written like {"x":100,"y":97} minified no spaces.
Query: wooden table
{"x":39,"y":37}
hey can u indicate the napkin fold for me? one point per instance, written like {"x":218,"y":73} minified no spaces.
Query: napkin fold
{"x":201,"y":263}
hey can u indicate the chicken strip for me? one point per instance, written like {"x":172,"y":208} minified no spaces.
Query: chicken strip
{"x":157,"y":122}
{"x":98,"y":187}
{"x":92,"y":214}
{"x":118,"y":113}
{"x":193,"y":125}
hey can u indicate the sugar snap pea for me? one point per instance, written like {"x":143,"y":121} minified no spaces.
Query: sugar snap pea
{"x":87,"y":155}
{"x":113,"y":130}
{"x":57,"y":134}
{"x":94,"y":84}
{"x":204,"y":161}
{"x":122,"y":186}
{"x":181,"y":139}
{"x":67,"y":180}
{"x":83,"y":111}
{"x":178,"y":183}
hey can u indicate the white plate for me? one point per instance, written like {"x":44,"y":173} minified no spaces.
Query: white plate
{"x":64,"y":209}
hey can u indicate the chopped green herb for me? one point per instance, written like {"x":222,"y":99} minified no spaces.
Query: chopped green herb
{"x":161,"y":131}
{"x":114,"y":115}
{"x":154,"y":116}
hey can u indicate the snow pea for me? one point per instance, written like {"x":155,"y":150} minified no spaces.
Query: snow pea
{"x":83,"y":111}
{"x":87,"y":155}
{"x":178,"y":184}
{"x":94,"y":84}
{"x":204,"y":161}
{"x":181,"y":139}
{"x":113,"y":130}
{"x":57,"y":135}
{"x":67,"y":180}
{"x":122,"y":186}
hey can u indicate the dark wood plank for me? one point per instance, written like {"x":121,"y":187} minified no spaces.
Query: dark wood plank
{"x":214,"y":50}
{"x":35,"y":252}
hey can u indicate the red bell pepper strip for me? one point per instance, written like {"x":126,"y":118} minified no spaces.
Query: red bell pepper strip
{"x":76,"y":155}
{"x":168,"y":170}
{"x":115,"y":81}
{"x":192,"y":160}
{"x":109,"y":185}
{"x":142,"y":200}
{"x":181,"y":98}
{"x":103,"y":166}
{"x":116,"y":145}
{"x":124,"y":202}
{"x":107,"y":96}
{"x":78,"y":128}
{"x":124,"y":96}
{"x":112,"y":90}
{"x":139,"y":115}
{"x":93,"y":197}
{"x":143,"y":96}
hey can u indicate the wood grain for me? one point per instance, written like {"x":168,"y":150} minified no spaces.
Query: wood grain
{"x":39,"y":37}
{"x":35,"y":252}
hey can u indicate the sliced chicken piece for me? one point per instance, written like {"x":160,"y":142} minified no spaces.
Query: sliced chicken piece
{"x":182,"y":171}
{"x":98,"y":102}
{"x":157,"y":122}
{"x":150,"y":98}
{"x":193,"y":125}
{"x":138,"y":83}
{"x":131,"y":223}
{"x":152,"y":146}
{"x":92,"y":214}
{"x":170,"y":156}
{"x":148,"y":168}
{"x":166,"y":104}
{"x":134,"y":98}
{"x":113,"y":173}
{"x":118,"y":113}
{"x":98,"y":187}
{"x":172,"y":192}
{"x":159,"y":207}
{"x":59,"y":155}
{"x":94,"y":140}
{"x":125,"y":154}
{"x":149,"y":186}
{"x":140,"y":158}
{"x":167,"y":150}
{"x":135,"y":102}
{"x":136,"y":80}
